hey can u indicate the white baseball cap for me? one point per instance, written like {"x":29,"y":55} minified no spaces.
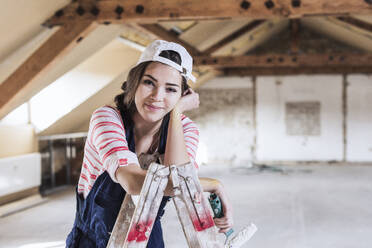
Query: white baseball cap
{"x":153,"y":50}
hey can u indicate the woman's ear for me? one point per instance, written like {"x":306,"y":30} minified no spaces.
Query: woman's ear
{"x":186,"y":92}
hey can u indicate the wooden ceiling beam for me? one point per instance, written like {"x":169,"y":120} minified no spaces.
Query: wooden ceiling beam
{"x":356,"y":22}
{"x":275,"y":71}
{"x":285,"y":60}
{"x":164,"y":34}
{"x":53,"y":50}
{"x":294,"y":25}
{"x":243,"y":30}
{"x":144,"y":11}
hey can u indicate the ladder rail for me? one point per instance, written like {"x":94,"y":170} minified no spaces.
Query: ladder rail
{"x":191,"y":205}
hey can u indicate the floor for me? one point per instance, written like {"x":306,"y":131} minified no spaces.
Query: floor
{"x":292,"y":206}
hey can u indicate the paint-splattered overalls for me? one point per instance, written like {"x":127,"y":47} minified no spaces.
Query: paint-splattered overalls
{"x":96,"y":215}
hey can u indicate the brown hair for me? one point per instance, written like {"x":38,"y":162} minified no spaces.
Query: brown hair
{"x":125,"y":101}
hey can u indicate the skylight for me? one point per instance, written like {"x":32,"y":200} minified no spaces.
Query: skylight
{"x":18,"y":116}
{"x":73,"y":88}
{"x":62,"y":96}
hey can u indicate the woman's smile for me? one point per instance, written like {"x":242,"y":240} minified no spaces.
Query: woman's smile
{"x":152,"y":107}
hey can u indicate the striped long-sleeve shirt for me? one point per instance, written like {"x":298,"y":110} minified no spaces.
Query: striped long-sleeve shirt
{"x":106,"y":147}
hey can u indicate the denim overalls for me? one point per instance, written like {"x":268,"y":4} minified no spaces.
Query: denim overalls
{"x":96,"y":215}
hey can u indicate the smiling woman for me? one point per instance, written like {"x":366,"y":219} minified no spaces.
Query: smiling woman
{"x":155,"y":96}
{"x":147,"y":119}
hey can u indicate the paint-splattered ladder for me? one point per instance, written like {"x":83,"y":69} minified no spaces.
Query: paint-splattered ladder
{"x":134,"y":223}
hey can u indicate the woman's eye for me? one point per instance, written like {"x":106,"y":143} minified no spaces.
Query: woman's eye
{"x":148,"y":82}
{"x":171,"y":90}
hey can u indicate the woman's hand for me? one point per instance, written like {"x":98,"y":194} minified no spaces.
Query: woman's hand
{"x":188,"y":101}
{"x":226,"y":222}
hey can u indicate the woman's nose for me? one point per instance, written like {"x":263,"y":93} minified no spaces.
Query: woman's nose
{"x":158,"y":94}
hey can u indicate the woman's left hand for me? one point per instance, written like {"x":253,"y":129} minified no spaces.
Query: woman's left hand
{"x":226,"y":222}
{"x":188,"y":101}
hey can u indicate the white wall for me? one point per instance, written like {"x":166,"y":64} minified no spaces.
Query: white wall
{"x":20,"y":173}
{"x":225,"y":121}
{"x":273,"y":141}
{"x":298,"y":118}
{"x":359,"y":118}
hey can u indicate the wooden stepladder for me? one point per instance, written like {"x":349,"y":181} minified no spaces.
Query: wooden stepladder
{"x":193,"y":208}
{"x":134,"y":223}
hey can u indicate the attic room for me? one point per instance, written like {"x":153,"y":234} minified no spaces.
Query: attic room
{"x":283,"y":120}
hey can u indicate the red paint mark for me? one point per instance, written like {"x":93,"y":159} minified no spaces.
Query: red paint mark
{"x":138,"y":232}
{"x":204,"y":223}
{"x":197,"y":197}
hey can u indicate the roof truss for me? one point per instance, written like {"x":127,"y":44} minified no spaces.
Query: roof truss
{"x":310,"y":70}
{"x":81,"y":17}
{"x":164,"y":34}
{"x":356,"y":22}
{"x":121,"y":11}
{"x":286,"y":60}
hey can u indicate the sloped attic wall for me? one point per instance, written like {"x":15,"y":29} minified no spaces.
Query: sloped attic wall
{"x":119,"y":58}
{"x":95,"y":41}
{"x":21,"y":25}
{"x":24,"y":140}
{"x":21,"y":19}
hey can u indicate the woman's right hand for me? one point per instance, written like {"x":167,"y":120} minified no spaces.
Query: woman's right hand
{"x":188,"y":101}
{"x":226,"y":222}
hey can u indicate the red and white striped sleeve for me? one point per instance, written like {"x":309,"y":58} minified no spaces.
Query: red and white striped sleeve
{"x":191,"y":135}
{"x":107,"y":135}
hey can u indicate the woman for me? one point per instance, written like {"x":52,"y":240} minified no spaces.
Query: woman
{"x":148,"y":118}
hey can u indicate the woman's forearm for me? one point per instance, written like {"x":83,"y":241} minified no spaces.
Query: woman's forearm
{"x":175,"y":151}
{"x":131,"y":178}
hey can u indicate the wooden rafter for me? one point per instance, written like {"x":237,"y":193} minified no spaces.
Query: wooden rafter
{"x":294,"y":25}
{"x":340,"y":31}
{"x":285,"y":60}
{"x":273,"y":71}
{"x":207,"y":72}
{"x":245,"y":29}
{"x":143,"y":11}
{"x":62,"y":41}
{"x":80,"y":17}
{"x":356,"y":22}
{"x":164,"y":34}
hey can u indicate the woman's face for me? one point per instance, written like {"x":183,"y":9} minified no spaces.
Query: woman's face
{"x":158,"y":91}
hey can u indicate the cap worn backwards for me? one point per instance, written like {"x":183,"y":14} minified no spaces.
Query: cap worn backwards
{"x":153,"y":50}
